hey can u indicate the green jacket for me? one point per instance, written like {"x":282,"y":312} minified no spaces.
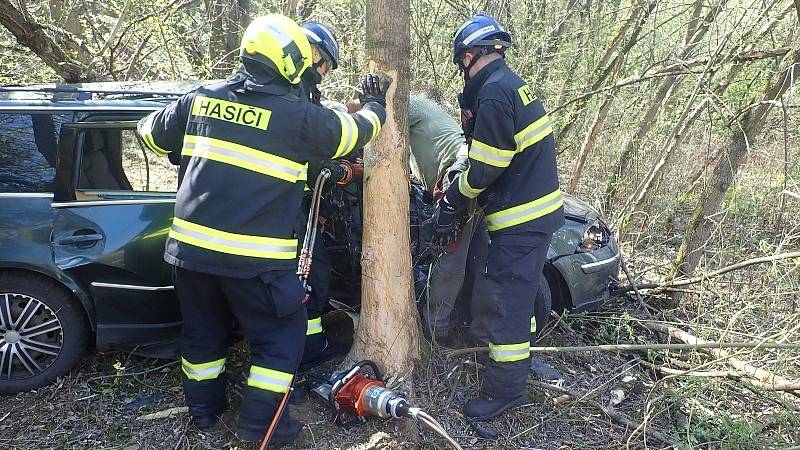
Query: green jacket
{"x":435,"y":139}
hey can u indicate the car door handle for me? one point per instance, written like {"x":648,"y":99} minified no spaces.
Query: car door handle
{"x":80,"y":238}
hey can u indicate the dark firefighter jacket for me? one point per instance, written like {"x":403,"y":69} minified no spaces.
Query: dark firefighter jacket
{"x":512,"y":157}
{"x":243,"y":156}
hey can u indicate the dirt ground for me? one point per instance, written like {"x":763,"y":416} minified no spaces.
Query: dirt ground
{"x":103,"y":404}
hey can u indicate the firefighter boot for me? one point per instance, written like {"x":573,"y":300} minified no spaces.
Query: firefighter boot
{"x":287,"y":431}
{"x":487,"y":407}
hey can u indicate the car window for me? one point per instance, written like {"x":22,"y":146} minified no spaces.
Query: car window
{"x":28,"y":144}
{"x":114,"y":160}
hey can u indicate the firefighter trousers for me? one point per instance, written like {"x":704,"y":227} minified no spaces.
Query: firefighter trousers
{"x":320,"y":282}
{"x":448,"y":275}
{"x":270,"y":314}
{"x":503,"y":309}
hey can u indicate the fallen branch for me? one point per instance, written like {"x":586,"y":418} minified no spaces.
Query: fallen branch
{"x":768,"y":379}
{"x":620,"y":418}
{"x":702,"y":345}
{"x":165,"y":413}
{"x":657,"y":288}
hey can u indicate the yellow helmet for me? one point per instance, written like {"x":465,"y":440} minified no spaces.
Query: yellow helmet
{"x":277,"y":42}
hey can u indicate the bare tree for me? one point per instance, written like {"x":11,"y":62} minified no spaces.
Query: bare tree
{"x":388,"y":332}
{"x":33,"y":35}
{"x":665,"y":95}
{"x":744,"y":132}
{"x":227,"y":20}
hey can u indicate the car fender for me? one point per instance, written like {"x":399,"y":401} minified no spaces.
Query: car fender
{"x":61,"y":278}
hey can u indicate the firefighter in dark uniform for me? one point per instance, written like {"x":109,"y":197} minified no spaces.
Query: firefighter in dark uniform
{"x":512,"y":172}
{"x":325,"y":57}
{"x":243,"y":145}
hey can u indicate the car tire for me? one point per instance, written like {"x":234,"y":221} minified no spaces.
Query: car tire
{"x":544,"y":303}
{"x":44,"y":325}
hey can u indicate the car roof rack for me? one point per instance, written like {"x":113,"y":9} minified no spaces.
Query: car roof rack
{"x":89,"y":93}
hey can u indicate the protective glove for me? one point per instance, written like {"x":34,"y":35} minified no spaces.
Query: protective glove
{"x":373,"y":89}
{"x":444,"y":222}
{"x":339,"y":172}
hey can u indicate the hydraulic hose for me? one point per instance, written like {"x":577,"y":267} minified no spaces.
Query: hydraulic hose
{"x":431,"y":423}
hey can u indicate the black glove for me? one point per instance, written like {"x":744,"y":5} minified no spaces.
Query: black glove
{"x":373,"y":88}
{"x":339,"y":173}
{"x":444,"y":222}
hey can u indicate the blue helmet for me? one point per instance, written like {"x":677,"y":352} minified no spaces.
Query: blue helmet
{"x":480,"y":31}
{"x":320,"y":36}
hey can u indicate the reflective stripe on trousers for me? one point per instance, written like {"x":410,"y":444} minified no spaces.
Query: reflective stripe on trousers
{"x":203,"y":371}
{"x":314,"y":326}
{"x":509,"y":352}
{"x":269,"y":379}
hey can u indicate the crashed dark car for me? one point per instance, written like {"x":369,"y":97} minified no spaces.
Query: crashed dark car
{"x":85,"y":210}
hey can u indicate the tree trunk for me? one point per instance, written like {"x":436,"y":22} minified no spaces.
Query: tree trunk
{"x":388,"y":332}
{"x":31,"y":34}
{"x":743,"y":135}
{"x":589,"y":141}
{"x":288,"y":7}
{"x":228,"y":20}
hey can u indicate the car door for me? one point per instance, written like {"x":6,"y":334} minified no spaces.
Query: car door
{"x":113,"y":206}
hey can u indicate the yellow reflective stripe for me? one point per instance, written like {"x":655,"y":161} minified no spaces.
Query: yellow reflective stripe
{"x":314,"y":326}
{"x":464,"y":187}
{"x":203,"y":371}
{"x":232,"y":112}
{"x":269,"y":380}
{"x":245,"y":157}
{"x":525,"y":212}
{"x":373,"y":119}
{"x":509,"y":352}
{"x":349,"y":135}
{"x":493,"y":156}
{"x":533,"y":324}
{"x":534,"y":133}
{"x":234,"y":244}
{"x":145,"y":130}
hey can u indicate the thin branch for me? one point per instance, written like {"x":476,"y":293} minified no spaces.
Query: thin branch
{"x":704,"y":345}
{"x":660,"y":287}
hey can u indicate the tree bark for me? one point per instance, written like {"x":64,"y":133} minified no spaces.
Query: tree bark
{"x":31,"y":34}
{"x":388,"y":332}
{"x":743,"y":136}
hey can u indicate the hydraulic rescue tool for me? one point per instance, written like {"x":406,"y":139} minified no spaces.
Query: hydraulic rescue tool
{"x":361,"y":392}
{"x":345,"y":173}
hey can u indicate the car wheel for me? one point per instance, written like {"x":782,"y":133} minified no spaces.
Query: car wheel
{"x":43,"y":332}
{"x":544,"y":303}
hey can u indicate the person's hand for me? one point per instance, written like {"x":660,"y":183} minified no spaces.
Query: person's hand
{"x":444,"y":222}
{"x":373,"y":89}
{"x":339,"y":170}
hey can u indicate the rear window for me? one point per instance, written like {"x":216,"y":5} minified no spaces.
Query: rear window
{"x":28,"y":147}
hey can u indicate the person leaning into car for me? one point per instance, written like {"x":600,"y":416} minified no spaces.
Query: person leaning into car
{"x":512,"y":172}
{"x":243,"y":145}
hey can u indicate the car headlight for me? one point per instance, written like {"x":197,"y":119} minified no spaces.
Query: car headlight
{"x":595,"y":237}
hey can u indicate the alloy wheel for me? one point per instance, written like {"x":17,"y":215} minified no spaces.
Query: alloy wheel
{"x":31,"y":336}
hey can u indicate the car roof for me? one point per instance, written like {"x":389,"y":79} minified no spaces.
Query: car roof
{"x":101,"y":96}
